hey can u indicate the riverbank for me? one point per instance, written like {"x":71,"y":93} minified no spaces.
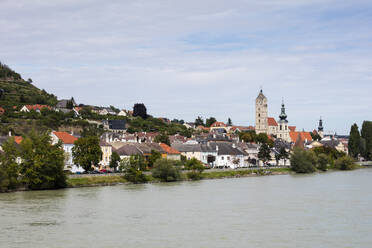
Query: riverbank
{"x":109,"y":180}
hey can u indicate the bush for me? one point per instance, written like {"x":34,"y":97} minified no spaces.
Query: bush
{"x":303,"y":161}
{"x":324,"y":162}
{"x":133,"y":169}
{"x":167,"y":170}
{"x":345,"y":163}
{"x":196,"y":168}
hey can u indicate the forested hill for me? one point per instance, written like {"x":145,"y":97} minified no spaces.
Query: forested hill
{"x":15,"y":91}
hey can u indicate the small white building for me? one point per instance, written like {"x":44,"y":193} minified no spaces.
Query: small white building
{"x":67,"y":144}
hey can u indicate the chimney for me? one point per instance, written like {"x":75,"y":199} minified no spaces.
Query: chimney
{"x":10,"y":133}
{"x":217,"y":148}
{"x":233,"y":145}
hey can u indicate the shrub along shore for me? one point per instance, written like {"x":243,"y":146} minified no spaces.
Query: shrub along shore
{"x":90,"y":181}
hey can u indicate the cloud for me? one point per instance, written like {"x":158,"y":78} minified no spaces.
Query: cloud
{"x":209,"y":58}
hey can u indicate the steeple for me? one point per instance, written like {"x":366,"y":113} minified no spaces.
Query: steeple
{"x":320,"y":127}
{"x":283,"y":115}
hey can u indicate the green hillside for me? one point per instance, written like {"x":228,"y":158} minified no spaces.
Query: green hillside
{"x":14,"y":91}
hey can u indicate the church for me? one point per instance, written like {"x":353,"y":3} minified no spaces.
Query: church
{"x":268,"y":125}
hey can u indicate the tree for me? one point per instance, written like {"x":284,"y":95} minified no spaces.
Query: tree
{"x":9,"y":168}
{"x":115,"y":160}
{"x":354,"y":141}
{"x":133,"y":167}
{"x":29,"y":80}
{"x":199,"y":121}
{"x":166,"y":170}
{"x":229,"y":122}
{"x":248,"y":136}
{"x":42,"y":163}
{"x":70,"y":104}
{"x":366,"y":133}
{"x":283,"y":154}
{"x":155,"y":155}
{"x":315,"y":136}
{"x":139,"y":109}
{"x":264,"y":153}
{"x":162,"y":138}
{"x":345,"y":163}
{"x":210,"y":121}
{"x":303,"y":161}
{"x":323,"y":162}
{"x":196,"y":168}
{"x":87,"y":152}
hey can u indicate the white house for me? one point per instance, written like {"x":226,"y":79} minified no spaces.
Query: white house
{"x":67,"y":144}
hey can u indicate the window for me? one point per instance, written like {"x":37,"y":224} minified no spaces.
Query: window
{"x":222,"y":158}
{"x":228,"y":158}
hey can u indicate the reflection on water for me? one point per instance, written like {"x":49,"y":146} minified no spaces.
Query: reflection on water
{"x":322,"y":210}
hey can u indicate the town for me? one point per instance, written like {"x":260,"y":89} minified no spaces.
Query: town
{"x":99,"y":140}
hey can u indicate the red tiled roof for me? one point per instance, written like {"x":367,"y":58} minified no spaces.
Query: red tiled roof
{"x":37,"y":107}
{"x":271,"y":121}
{"x":292,"y":128}
{"x":168,"y":149}
{"x":66,"y":138}
{"x":18,"y":139}
{"x":218,"y":124}
{"x":304,"y":136}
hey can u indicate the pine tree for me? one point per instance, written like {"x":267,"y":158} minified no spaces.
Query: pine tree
{"x":354,"y":141}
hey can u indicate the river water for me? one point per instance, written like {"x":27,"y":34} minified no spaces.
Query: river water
{"x":322,"y":210}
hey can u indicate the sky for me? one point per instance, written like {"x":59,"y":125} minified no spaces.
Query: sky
{"x":184,"y":59}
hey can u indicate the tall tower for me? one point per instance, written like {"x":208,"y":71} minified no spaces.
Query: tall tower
{"x":320,"y":128}
{"x":261,"y":113}
{"x":283,"y":130}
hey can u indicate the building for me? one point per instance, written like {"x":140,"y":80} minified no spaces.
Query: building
{"x":320,"y":128}
{"x":268,"y":125}
{"x":114,"y":125}
{"x":261,"y":113}
{"x":36,"y":107}
{"x":67,"y":145}
{"x":171,"y":152}
{"x":106,"y":149}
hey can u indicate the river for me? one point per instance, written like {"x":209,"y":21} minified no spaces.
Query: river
{"x":331,"y":209}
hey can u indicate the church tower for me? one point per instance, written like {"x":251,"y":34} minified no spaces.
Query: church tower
{"x":320,"y":128}
{"x":283,"y":130}
{"x":261,"y":113}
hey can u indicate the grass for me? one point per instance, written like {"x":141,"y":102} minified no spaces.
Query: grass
{"x":111,"y":180}
{"x":94,"y":180}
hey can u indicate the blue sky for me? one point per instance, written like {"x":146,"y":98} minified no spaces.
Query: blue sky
{"x":207,"y":58}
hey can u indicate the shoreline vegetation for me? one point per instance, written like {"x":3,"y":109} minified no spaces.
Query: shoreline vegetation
{"x":112,"y":180}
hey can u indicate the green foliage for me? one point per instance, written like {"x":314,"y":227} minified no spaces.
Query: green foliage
{"x":264,"y":153}
{"x":9,"y":168}
{"x":303,"y":161}
{"x":251,"y":136}
{"x":7,"y":73}
{"x":167,"y":170}
{"x":91,"y":130}
{"x":155,"y":155}
{"x":42,"y":163}
{"x":115,"y":160}
{"x":345,"y":163}
{"x":139,"y":109}
{"x":210,"y":121}
{"x":133,"y":168}
{"x":162,"y":138}
{"x":366,"y":133}
{"x":354,"y":144}
{"x":156,"y":125}
{"x":87,"y":152}
{"x":196,"y":168}
{"x":329,"y":151}
{"x":199,"y":121}
{"x":324,"y":162}
{"x":315,"y":136}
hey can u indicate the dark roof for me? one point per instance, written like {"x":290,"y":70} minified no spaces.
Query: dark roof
{"x":330,"y":143}
{"x":187,"y":147}
{"x":128,"y":150}
{"x":116,"y":124}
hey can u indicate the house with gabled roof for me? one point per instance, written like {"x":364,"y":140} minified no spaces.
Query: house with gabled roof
{"x":36,"y":107}
{"x":171,"y":153}
{"x":67,"y":141}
